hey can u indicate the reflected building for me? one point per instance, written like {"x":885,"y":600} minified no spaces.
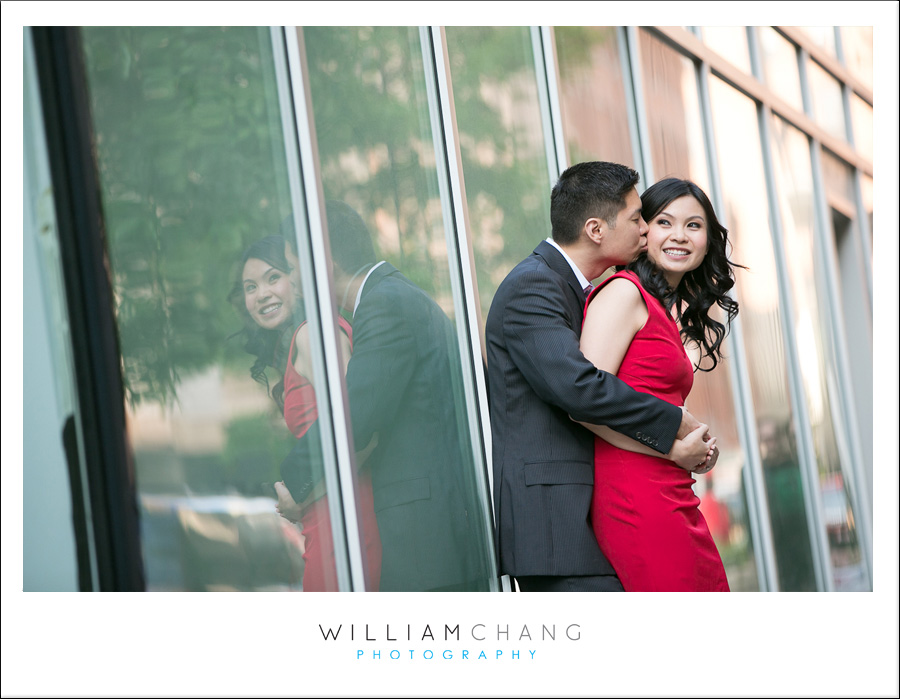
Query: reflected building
{"x":154,"y":155}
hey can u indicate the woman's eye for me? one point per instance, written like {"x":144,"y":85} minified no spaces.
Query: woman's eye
{"x":249,"y":289}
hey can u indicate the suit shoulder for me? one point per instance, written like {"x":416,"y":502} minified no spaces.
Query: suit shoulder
{"x":396,"y":295}
{"x":392,"y":286}
{"x":531,"y":286}
{"x":531,"y":271}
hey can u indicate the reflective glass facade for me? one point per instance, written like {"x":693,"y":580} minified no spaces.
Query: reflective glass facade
{"x":301,"y":230}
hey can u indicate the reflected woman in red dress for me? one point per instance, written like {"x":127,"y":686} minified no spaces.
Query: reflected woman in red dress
{"x":650,"y":324}
{"x":279,"y":337}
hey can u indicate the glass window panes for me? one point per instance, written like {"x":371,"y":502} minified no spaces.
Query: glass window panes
{"x":676,"y":136}
{"x":744,"y":194}
{"x":502,"y":147}
{"x":723,"y":498}
{"x":730,"y":43}
{"x":856,"y":43}
{"x":827,"y":100}
{"x":822,"y":37}
{"x":838,"y":183}
{"x":392,"y":279}
{"x":779,"y":66}
{"x":861,"y":117}
{"x":592,"y":95}
{"x":193,"y":172}
{"x":672,"y":106}
{"x":818,"y":369}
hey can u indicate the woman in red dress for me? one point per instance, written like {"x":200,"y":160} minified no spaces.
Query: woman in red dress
{"x":650,"y":324}
{"x":269,"y":289}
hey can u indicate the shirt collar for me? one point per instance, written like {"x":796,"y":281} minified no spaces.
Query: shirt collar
{"x":581,"y":278}
{"x":365,"y":279}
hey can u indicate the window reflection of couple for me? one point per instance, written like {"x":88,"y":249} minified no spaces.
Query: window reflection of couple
{"x":418,"y":520}
{"x":613,"y":510}
{"x":278,"y":334}
{"x":593,"y":449}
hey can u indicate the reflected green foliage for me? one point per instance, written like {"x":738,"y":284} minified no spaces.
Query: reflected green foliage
{"x":574,"y":44}
{"x":185,"y":127}
{"x":369,"y":95}
{"x":376,"y":144}
{"x":592,"y":90}
{"x":367,"y":86}
{"x":188,"y":141}
{"x":251,"y":463}
{"x":501,"y":142}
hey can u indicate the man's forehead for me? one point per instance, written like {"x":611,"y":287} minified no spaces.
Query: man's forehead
{"x":632,"y":202}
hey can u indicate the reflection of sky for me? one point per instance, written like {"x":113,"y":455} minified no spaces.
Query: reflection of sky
{"x":828,"y":103}
{"x":219,"y":504}
{"x":810,"y":366}
{"x":730,"y":43}
{"x":780,"y":66}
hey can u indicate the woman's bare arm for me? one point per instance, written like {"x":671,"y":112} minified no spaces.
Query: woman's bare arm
{"x":616,"y":313}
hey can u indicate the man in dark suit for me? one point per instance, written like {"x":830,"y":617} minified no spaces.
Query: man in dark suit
{"x":540,"y":384}
{"x":403,"y":386}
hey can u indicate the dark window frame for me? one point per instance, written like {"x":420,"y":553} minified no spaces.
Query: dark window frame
{"x":109,"y":467}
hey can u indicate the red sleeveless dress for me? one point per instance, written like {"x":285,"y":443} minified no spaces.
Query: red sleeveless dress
{"x":644,"y":511}
{"x":320,"y":573}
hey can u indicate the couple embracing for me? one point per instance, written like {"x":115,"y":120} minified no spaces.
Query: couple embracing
{"x":593,"y":449}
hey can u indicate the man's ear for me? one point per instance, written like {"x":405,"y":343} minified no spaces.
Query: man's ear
{"x":595,"y":230}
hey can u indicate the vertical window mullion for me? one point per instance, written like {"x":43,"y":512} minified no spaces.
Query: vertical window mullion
{"x":110,"y":488}
{"x":315,"y":261}
{"x":547,"y":72}
{"x":863,"y":234}
{"x":460,"y":258}
{"x":634,"y":90}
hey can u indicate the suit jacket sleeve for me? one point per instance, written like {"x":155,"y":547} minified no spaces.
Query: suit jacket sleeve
{"x":545,"y":348}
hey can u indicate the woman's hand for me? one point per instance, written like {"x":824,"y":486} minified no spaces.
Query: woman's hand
{"x":695,"y":451}
{"x":711,"y":459}
{"x":286,"y":506}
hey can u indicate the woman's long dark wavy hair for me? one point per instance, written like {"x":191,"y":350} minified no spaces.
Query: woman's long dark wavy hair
{"x":270,"y":347}
{"x":701,"y":288}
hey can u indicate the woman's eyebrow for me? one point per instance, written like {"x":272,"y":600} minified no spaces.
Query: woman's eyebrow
{"x":689,"y":218}
{"x":262,"y":275}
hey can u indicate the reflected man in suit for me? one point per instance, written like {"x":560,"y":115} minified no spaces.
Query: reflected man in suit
{"x":540,"y":384}
{"x":401,"y":381}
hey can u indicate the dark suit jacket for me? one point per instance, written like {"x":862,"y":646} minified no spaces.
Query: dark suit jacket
{"x":404,"y":385}
{"x":542,"y":460}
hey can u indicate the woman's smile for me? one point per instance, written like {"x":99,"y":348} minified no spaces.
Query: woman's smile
{"x":268,"y":294}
